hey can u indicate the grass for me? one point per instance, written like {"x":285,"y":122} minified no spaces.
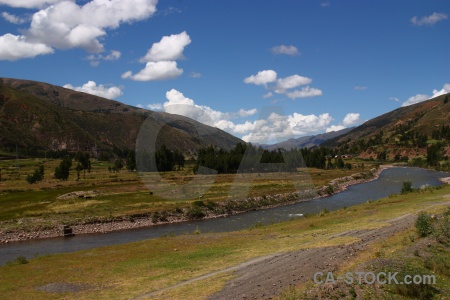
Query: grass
{"x":129,"y":270}
{"x":126,"y":193}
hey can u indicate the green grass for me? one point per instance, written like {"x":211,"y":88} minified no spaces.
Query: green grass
{"x":124,"y":193}
{"x":126,"y":271}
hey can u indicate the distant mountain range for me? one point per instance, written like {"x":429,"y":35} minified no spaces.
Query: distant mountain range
{"x":307,"y":141}
{"x":48,"y":117}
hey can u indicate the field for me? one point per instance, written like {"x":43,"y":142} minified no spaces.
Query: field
{"x":101,"y":195}
{"x":168,"y":265}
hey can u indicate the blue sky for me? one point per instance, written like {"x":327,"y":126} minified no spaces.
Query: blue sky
{"x":262,"y":70}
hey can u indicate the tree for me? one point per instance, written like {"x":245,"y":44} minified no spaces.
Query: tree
{"x":38,"y":175}
{"x":84,"y":162}
{"x":62,"y":171}
{"x":118,"y":165}
{"x":131,"y":161}
{"x":446,"y":99}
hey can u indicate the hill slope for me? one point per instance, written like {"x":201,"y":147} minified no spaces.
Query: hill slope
{"x":423,"y":118}
{"x":39,"y":115}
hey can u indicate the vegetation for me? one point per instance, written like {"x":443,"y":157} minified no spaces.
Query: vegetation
{"x":407,"y":187}
{"x":38,"y":175}
{"x":130,"y":270}
{"x":62,"y":171}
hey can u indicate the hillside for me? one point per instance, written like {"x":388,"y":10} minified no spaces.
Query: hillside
{"x":307,"y":141}
{"x":47,"y":117}
{"x":422,"y":117}
{"x":407,"y":131}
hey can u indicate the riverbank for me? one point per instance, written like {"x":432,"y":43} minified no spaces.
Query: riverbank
{"x":223,"y":209}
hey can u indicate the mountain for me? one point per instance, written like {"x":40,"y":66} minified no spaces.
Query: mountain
{"x":423,"y":117}
{"x":307,"y":141}
{"x":47,"y":117}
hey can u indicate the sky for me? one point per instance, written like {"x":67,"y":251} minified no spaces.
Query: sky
{"x":264,"y":71}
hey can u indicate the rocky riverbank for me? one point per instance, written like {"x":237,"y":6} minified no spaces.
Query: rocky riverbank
{"x":206,"y":211}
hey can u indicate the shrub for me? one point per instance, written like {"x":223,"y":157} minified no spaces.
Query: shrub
{"x":407,"y":187}
{"x":423,"y":224}
{"x":195,"y":213}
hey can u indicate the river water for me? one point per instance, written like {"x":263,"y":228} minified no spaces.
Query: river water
{"x":389,"y":182}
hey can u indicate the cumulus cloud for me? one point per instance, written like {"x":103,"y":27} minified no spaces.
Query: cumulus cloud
{"x":14,"y":47}
{"x":95,"y":59}
{"x":428,"y":20}
{"x":305,"y":92}
{"x":155,"y":106}
{"x":422,"y":97}
{"x":262,"y":78}
{"x":290,"y":82}
{"x":269,"y":79}
{"x":170,"y":48}
{"x":161,"y":70}
{"x":351,"y":119}
{"x":98,"y":90}
{"x":13,"y":19}
{"x":160,"y":58}
{"x":28,"y":3}
{"x":287,"y":50}
{"x":66,"y":25}
{"x":335,"y":128}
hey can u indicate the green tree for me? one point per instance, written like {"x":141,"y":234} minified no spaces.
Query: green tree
{"x":118,"y":165}
{"x":84,"y":161}
{"x":131,"y":161}
{"x":62,"y":171}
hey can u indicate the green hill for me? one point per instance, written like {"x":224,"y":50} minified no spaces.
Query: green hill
{"x":47,"y":117}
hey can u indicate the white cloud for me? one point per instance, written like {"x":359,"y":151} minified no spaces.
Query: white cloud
{"x":14,"y":47}
{"x":416,"y":99}
{"x":113,"y":55}
{"x":66,"y":25}
{"x":98,"y":90}
{"x":429,"y":20}
{"x":155,"y":106}
{"x":351,"y":119}
{"x":161,"y":70}
{"x":305,"y":92}
{"x":394,"y":99}
{"x":168,"y":49}
{"x":360,"y":87}
{"x":140,"y":106}
{"x":28,"y":3}
{"x":268,"y":95}
{"x":268,"y":78}
{"x":13,"y":19}
{"x":325,"y":4}
{"x":335,"y":128}
{"x":422,"y":97}
{"x":445,"y":89}
{"x":246,"y":113}
{"x":262,"y":77}
{"x":290,"y":82}
{"x":195,"y":75}
{"x":95,"y":59}
{"x":288,"y":50}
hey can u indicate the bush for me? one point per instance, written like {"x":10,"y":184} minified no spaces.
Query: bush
{"x":195,"y":213}
{"x":407,"y":187}
{"x":423,"y":224}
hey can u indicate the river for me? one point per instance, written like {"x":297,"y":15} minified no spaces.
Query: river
{"x":389,"y":182}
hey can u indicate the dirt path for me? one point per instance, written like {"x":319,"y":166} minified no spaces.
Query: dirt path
{"x":265,"y":277}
